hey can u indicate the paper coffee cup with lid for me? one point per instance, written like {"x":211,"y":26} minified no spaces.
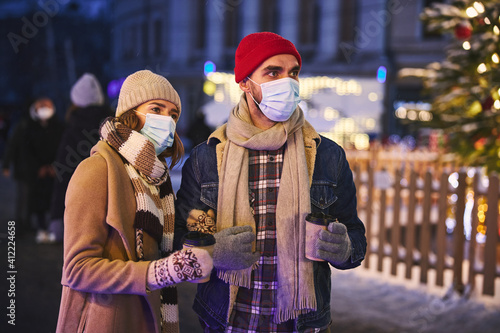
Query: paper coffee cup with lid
{"x":315,"y":222}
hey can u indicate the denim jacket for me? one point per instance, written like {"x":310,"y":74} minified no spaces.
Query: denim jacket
{"x":332,"y":192}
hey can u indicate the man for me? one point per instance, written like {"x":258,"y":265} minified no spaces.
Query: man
{"x":253,"y":183}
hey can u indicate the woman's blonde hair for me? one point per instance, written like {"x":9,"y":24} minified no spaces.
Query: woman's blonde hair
{"x":175,"y":153}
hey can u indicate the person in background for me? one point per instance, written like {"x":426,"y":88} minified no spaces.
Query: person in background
{"x":87,"y":111}
{"x":30,"y":152}
{"x":253,"y":184}
{"x":119,"y":220}
{"x":198,"y":131}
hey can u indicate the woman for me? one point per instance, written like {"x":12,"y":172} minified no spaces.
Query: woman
{"x":119,"y":220}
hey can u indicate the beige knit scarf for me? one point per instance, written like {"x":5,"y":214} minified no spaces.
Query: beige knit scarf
{"x":154,"y":200}
{"x":295,"y":294}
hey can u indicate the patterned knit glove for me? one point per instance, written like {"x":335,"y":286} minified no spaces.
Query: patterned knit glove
{"x":201,"y":221}
{"x":183,"y":265}
{"x":233,"y":248}
{"x":334,"y":244}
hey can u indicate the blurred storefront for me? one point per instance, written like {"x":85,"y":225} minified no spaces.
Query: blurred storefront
{"x":343,"y":45}
{"x":344,"y":109}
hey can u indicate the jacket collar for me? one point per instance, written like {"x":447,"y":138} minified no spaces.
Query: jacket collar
{"x":309,"y":133}
{"x":312,"y":140}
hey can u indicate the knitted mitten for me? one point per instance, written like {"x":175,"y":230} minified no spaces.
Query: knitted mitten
{"x":334,"y":244}
{"x":183,"y":265}
{"x":201,"y":221}
{"x":233,"y":248}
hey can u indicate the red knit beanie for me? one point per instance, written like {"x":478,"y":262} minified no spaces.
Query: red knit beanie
{"x":255,"y":48}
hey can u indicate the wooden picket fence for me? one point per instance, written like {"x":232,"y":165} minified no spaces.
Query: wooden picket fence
{"x":405,"y":200}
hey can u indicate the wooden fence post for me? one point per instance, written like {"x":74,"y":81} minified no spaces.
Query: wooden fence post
{"x":357,"y":182}
{"x":425,"y":228}
{"x":441,"y":228}
{"x":396,"y":228}
{"x":471,"y":280}
{"x":381,"y":230}
{"x":490,"y":248}
{"x":410,"y":225}
{"x":459,"y":237}
{"x":369,"y":212}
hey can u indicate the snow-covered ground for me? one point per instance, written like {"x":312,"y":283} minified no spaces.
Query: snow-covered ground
{"x":380,"y":302}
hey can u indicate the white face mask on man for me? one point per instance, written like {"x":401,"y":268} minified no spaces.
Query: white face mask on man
{"x":279,"y":98}
{"x":45,"y":112}
{"x":160,"y":130}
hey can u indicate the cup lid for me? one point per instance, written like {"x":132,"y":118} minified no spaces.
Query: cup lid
{"x":196,"y":238}
{"x":319,"y":218}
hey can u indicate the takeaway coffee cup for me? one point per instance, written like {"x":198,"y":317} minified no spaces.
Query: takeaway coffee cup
{"x":202,"y":241}
{"x":315,"y":222}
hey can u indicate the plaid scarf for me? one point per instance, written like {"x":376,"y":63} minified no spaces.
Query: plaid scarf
{"x":154,"y":198}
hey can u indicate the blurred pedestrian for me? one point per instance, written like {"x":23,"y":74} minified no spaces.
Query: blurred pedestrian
{"x":198,"y":131}
{"x":4,"y":129}
{"x":119,"y":220}
{"x":30,"y":152}
{"x":87,"y":111}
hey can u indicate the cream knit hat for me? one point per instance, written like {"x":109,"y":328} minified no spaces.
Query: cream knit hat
{"x":87,"y":91}
{"x":143,"y":86}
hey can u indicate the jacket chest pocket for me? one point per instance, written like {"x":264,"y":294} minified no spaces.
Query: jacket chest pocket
{"x":209,"y":194}
{"x":322,"y":194}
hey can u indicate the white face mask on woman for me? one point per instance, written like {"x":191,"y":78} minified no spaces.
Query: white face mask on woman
{"x":279,"y":98}
{"x":160,"y":130}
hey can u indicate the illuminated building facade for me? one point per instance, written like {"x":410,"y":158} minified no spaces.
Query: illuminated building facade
{"x":353,"y":54}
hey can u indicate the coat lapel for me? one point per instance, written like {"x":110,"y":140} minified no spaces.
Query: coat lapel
{"x":121,"y":200}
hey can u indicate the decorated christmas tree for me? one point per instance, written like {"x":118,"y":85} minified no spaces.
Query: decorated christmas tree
{"x":465,"y":86}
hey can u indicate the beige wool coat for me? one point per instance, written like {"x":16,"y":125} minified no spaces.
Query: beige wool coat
{"x":104,"y":286}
